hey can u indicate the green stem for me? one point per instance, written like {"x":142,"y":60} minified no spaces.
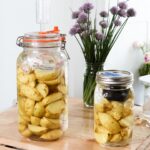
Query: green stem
{"x":90,"y":83}
{"x":79,"y":43}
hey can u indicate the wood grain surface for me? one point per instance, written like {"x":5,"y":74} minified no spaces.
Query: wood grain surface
{"x":78,"y":137}
{"x":5,"y":148}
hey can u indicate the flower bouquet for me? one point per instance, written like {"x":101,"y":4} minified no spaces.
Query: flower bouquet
{"x":96,"y":41}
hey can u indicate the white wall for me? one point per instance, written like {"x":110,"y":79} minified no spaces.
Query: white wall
{"x":18,"y":17}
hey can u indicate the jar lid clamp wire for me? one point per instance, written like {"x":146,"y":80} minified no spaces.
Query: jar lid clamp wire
{"x":63,"y":45}
{"x":19,"y":41}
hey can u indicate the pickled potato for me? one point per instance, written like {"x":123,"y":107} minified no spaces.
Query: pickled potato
{"x":19,"y":71}
{"x":21,"y":109}
{"x":126,"y":133}
{"x":52,"y":98}
{"x":32,"y":84}
{"x":62,"y":88}
{"x":50,"y":123}
{"x":101,"y":138}
{"x":62,"y":80}
{"x":127,"y":110}
{"x":113,"y":121}
{"x":29,"y":106}
{"x":21,"y":120}
{"x":127,"y":121}
{"x":35,"y":120}
{"x":41,"y":103}
{"x":25,"y":117}
{"x":46,"y":75}
{"x":52,"y":135}
{"x":52,"y":116}
{"x":42,"y":89}
{"x":109,"y":123}
{"x":117,"y":110}
{"x":37,"y":130}
{"x":103,"y":105}
{"x":56,"y":107}
{"x":26,"y":133}
{"x":21,"y":103}
{"x":27,"y":78}
{"x":39,"y":110}
{"x":30,"y":92}
{"x":101,"y":129}
{"x":53,"y":82}
{"x":22,"y":127}
{"x":116,"y":138}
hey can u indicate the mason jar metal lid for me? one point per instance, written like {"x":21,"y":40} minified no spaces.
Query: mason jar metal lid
{"x":114,"y":77}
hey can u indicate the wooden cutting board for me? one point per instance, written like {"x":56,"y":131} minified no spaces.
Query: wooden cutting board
{"x":78,"y":137}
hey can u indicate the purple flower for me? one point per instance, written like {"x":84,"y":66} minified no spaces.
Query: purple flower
{"x":147,"y":58}
{"x":117,"y":22}
{"x":99,"y":36}
{"x":78,"y":28}
{"x":104,"y":14}
{"x":114,"y":10}
{"x":82,"y":26}
{"x":76,"y":25}
{"x":103,"y":24}
{"x":75,"y":14}
{"x":73,"y":31}
{"x":122,"y":13}
{"x":122,"y":5}
{"x":87,"y":7}
{"x":82,"y":18}
{"x":131,"y":12}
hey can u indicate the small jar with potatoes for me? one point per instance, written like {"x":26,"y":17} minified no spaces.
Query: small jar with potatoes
{"x":113,"y":108}
{"x":42,"y":87}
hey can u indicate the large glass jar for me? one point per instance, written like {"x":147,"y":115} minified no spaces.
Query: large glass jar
{"x":42,"y":86}
{"x":113,"y":108}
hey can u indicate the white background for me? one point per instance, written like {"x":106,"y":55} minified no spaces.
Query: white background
{"x":19,"y":16}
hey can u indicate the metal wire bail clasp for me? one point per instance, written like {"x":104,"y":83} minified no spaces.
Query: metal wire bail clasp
{"x":19,"y":41}
{"x":63,"y":45}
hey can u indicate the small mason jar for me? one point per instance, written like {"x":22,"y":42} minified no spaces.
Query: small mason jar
{"x":113,"y":108}
{"x":42,"y":86}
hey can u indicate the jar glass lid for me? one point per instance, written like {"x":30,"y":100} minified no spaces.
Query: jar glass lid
{"x":114,"y":77}
{"x":41,"y":39}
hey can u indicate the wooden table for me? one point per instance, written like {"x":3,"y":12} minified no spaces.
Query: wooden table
{"x":78,"y":137}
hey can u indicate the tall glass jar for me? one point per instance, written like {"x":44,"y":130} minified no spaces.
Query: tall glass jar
{"x":113,"y":108}
{"x":42,"y":86}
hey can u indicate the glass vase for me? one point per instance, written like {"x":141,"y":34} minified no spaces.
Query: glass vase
{"x":90,"y":83}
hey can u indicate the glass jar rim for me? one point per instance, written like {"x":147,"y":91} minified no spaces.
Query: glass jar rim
{"x":41,"y":40}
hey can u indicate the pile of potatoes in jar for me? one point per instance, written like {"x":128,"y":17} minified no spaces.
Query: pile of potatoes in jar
{"x":113,"y":121}
{"x":42,"y":103}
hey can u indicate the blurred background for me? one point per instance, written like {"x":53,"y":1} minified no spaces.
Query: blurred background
{"x":19,"y":17}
